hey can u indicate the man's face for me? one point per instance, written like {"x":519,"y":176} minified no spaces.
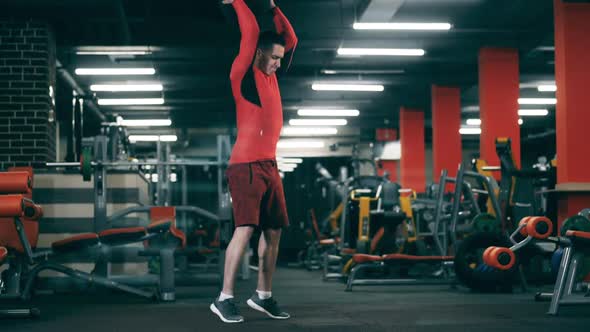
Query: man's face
{"x":270,"y":60}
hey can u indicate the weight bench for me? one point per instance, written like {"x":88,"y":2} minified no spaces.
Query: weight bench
{"x":573,"y":255}
{"x":19,"y":231}
{"x":14,"y":312}
{"x":365,"y":262}
{"x":575,"y":244}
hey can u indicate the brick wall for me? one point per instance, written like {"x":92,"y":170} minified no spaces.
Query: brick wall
{"x":27,"y":71}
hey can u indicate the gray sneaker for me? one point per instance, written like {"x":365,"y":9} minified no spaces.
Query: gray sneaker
{"x":226,"y":310}
{"x":268,"y":306}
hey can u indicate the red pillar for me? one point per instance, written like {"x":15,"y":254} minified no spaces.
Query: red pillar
{"x":498,"y":101}
{"x":446,"y":121}
{"x":390,"y":166}
{"x":572,"y":66}
{"x":412,"y":164}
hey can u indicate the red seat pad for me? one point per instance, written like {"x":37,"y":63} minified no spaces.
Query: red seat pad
{"x":3,"y":254}
{"x":122,"y":235}
{"x":403,"y":257}
{"x":364,"y":258}
{"x":579,"y":238}
{"x":77,"y":242}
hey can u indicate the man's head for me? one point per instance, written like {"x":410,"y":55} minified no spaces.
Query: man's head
{"x":271,"y":49}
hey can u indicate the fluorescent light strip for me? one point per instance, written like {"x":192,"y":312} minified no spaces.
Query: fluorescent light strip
{"x":533,"y":112}
{"x":327,"y":112}
{"x":290,"y":160}
{"x":130,"y":101}
{"x":347,"y":87}
{"x":547,"y":88}
{"x":472,"y":108}
{"x":362,"y":72}
{"x":318,"y":122}
{"x":115,"y":71}
{"x":113,"y":52}
{"x":473,"y":122}
{"x":292,"y":144}
{"x":537,"y":101}
{"x":168,"y":138}
{"x":470,"y":131}
{"x":401,"y":26}
{"x":126,"y":87}
{"x":287,"y":165}
{"x":146,"y":122}
{"x":303,"y":131}
{"x":153,"y":138}
{"x":382,"y":51}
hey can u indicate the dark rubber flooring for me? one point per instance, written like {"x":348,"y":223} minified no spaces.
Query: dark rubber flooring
{"x":314,"y":305}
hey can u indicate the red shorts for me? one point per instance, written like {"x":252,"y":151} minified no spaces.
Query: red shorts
{"x":257,"y":194}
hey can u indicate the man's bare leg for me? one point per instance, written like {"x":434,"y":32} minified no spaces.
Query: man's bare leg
{"x":268,"y":250}
{"x":233,"y":255}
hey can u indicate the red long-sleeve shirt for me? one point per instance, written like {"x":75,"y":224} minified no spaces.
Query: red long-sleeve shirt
{"x":259,"y":119}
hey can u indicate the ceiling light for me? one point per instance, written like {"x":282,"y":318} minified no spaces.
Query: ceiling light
{"x":473,"y":122}
{"x":520,"y":122}
{"x":401,"y":26}
{"x":361,"y":71}
{"x":287,"y":165}
{"x":168,"y":138}
{"x":290,"y":160}
{"x":382,"y":51}
{"x":347,"y":87}
{"x":131,"y":101}
{"x":547,"y":88}
{"x":126,"y":87}
{"x":305,"y":131}
{"x":153,"y":138}
{"x":533,"y":112}
{"x":327,"y":112}
{"x":113,"y":52}
{"x":314,"y":122}
{"x":146,"y":122}
{"x":293,"y":144}
{"x":472,"y":108}
{"x":115,"y":71}
{"x":470,"y":131}
{"x":537,"y":101}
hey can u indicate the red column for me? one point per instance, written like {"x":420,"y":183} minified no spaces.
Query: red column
{"x":390,"y":166}
{"x":413,"y":162}
{"x":446,"y":121}
{"x":572,"y":67}
{"x":498,"y":101}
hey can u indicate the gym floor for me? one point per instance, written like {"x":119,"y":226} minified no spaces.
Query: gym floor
{"x":314,"y":305}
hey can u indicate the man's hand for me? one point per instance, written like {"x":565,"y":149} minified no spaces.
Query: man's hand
{"x":272,"y":4}
{"x":227,"y":2}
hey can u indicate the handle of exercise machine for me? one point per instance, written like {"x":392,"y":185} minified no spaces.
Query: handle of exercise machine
{"x":531,"y":228}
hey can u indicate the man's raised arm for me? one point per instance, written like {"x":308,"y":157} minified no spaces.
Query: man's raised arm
{"x":283,"y":27}
{"x":249,"y":30}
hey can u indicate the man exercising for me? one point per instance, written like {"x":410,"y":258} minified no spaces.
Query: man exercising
{"x":253,"y":178}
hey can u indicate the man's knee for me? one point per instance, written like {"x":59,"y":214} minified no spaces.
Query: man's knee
{"x":272,"y":236}
{"x":243,"y":234}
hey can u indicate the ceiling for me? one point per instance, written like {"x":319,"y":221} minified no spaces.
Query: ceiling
{"x":192,"y":46}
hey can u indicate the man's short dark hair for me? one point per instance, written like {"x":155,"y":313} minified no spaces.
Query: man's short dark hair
{"x":267,"y":39}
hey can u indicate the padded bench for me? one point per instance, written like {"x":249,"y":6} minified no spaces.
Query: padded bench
{"x":19,"y":231}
